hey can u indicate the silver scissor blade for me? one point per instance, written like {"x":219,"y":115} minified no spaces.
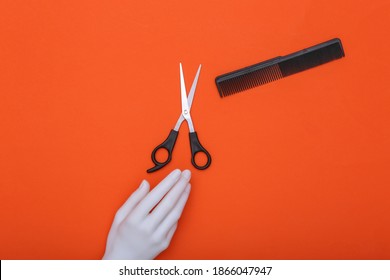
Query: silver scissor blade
{"x":185,"y":109}
{"x":193,"y":87}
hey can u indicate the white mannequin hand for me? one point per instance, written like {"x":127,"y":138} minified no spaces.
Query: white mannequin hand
{"x":138,"y":233}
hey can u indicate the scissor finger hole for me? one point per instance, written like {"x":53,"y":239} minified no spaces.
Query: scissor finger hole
{"x":161,"y":155}
{"x":200,"y":159}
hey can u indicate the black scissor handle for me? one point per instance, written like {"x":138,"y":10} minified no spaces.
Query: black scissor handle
{"x":196,"y":147}
{"x":168,"y":145}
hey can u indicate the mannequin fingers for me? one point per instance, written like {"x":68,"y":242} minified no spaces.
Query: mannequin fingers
{"x":132,"y":201}
{"x":154,"y":196}
{"x":174,"y":215}
{"x":168,"y":202}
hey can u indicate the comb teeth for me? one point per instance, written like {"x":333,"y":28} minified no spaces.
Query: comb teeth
{"x":279,"y":67}
{"x":250,"y":80}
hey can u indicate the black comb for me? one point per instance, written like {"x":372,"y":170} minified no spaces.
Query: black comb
{"x":278,"y":67}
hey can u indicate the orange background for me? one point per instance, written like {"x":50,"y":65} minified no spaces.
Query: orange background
{"x":300,"y":166}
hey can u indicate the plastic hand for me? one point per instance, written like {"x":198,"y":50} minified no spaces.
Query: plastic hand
{"x":137,"y":232}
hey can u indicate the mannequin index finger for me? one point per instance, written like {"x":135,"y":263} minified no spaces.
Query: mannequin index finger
{"x":155,"y":195}
{"x":132,"y":201}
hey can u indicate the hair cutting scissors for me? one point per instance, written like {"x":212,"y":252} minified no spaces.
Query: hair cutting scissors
{"x":169,"y":143}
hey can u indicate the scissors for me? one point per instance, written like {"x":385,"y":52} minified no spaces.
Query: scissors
{"x":169,"y":143}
